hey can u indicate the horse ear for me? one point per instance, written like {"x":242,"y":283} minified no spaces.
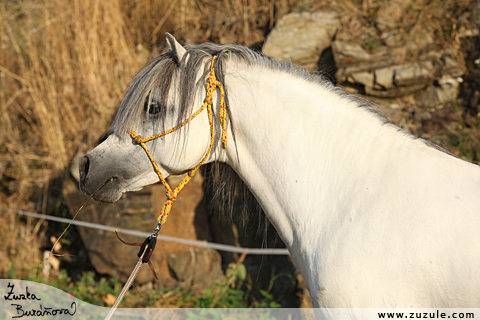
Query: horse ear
{"x":176,"y":47}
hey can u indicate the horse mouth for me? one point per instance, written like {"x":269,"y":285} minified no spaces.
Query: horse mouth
{"x":108,"y":191}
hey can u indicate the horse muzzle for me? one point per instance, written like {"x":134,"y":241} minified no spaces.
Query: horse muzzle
{"x":101,"y":183}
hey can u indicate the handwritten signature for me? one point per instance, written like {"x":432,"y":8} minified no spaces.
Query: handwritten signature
{"x":34,"y":312}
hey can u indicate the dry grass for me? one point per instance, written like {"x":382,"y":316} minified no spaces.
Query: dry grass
{"x":20,"y":245}
{"x":62,"y":74}
{"x":63,"y":67}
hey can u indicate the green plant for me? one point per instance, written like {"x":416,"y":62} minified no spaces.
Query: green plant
{"x":91,"y":288}
{"x":371,"y":45}
{"x":268,"y":300}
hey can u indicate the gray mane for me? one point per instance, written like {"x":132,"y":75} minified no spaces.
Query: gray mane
{"x":154,"y":81}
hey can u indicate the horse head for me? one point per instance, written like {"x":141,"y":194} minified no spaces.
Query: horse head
{"x":162,"y":95}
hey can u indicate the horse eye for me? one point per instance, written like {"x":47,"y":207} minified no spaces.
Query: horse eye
{"x":154,"y":108}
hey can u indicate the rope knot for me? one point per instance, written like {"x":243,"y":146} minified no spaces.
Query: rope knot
{"x":136,"y":137}
{"x":192,"y":172}
{"x":171,"y":196}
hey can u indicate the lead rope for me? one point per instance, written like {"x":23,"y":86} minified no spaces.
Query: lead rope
{"x":148,"y":245}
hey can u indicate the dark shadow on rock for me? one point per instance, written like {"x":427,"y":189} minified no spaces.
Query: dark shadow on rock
{"x":327,"y":66}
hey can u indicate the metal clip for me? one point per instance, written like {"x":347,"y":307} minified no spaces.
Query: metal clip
{"x":147,"y":246}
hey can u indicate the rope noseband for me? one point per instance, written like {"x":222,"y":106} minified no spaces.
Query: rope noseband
{"x":212,"y":85}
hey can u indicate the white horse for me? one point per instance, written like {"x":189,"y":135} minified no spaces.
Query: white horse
{"x":372,"y":216}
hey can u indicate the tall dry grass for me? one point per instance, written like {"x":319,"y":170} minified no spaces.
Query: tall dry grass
{"x":63,"y":67}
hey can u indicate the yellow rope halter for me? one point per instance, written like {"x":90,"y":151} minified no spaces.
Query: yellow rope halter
{"x":212,"y":84}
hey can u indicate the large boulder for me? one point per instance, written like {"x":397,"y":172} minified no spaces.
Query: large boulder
{"x":175,"y":264}
{"x":385,"y":74}
{"x":301,"y":37}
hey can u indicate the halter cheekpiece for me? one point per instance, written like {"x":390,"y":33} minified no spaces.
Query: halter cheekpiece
{"x":212,"y":85}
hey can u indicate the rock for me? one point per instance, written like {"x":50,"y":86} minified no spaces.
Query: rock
{"x":138,"y":211}
{"x":385,"y":22}
{"x":394,"y":92}
{"x":419,"y":38}
{"x":384,"y":77}
{"x":396,"y":80}
{"x":349,"y":54}
{"x":352,"y":59}
{"x":390,"y":14}
{"x":391,"y":38}
{"x":344,"y":73}
{"x":301,"y":37}
{"x":401,"y":62}
{"x":365,"y":78}
{"x":452,"y":68}
{"x":414,"y":74}
{"x":199,"y":267}
{"x":445,"y":92}
{"x":470,"y":32}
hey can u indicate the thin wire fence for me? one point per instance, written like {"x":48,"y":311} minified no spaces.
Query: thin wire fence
{"x":211,"y":245}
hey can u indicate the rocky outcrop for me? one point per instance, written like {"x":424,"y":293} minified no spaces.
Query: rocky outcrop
{"x":383,"y":75}
{"x":301,"y":37}
{"x":387,"y":65}
{"x":175,"y":264}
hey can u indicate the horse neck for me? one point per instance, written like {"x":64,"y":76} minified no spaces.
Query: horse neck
{"x":303,"y":149}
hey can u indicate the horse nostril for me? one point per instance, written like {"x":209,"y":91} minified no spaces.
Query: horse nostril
{"x":83,"y":167}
